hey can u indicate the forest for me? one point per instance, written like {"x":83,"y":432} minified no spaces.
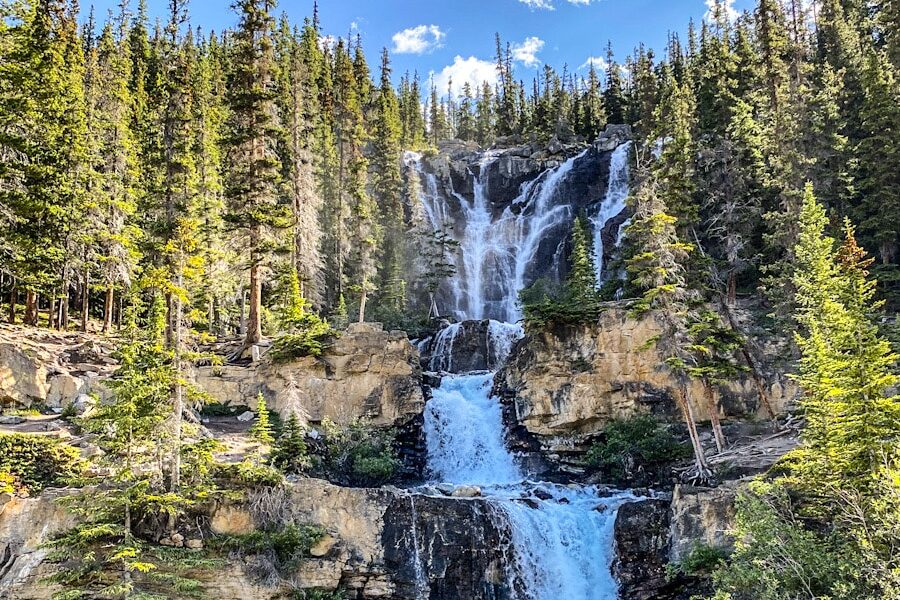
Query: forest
{"x":172,"y":185}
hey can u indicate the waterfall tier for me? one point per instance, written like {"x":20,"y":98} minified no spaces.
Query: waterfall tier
{"x":506,"y":244}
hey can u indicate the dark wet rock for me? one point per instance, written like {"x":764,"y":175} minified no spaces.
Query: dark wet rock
{"x":641,"y":550}
{"x":452,"y":548}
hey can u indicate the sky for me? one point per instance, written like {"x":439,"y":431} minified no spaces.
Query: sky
{"x":454,"y":39}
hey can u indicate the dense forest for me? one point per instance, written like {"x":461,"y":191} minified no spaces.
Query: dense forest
{"x":181,"y":185}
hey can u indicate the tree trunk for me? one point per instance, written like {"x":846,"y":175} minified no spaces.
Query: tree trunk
{"x":51,"y":312}
{"x":764,"y":400}
{"x":13,"y":296}
{"x":120,"y":311}
{"x":242,"y":324}
{"x":176,"y":326}
{"x":31,"y":308}
{"x":687,"y":414}
{"x":362,"y":305}
{"x":731,"y":294}
{"x":108,"y":308}
{"x":64,"y":308}
{"x":254,"y":319}
{"x":170,"y":338}
{"x":85,"y":299}
{"x":713,"y":407}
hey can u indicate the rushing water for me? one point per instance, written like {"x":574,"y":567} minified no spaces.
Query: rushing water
{"x":496,"y":254}
{"x":613,"y":204}
{"x":561,"y":537}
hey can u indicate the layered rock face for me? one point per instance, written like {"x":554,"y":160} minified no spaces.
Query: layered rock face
{"x":573,"y":380}
{"x":368,"y":373}
{"x":380,"y":544}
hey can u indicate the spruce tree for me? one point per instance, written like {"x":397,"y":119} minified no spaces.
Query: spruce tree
{"x":252,"y":185}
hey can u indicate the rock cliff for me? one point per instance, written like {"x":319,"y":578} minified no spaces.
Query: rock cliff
{"x":367,"y":373}
{"x":571,"y":381}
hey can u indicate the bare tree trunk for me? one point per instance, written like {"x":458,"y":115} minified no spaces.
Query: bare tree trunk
{"x":31,"y":308}
{"x":13,"y":296}
{"x":178,"y":392}
{"x":51,"y":312}
{"x":751,"y":364}
{"x":362,"y":305}
{"x":731,"y":294}
{"x":64,"y":308}
{"x":243,"y":322}
{"x":85,"y":299}
{"x":687,"y":414}
{"x":108,"y":308}
{"x":254,"y":319}
{"x":120,"y":311}
{"x":713,"y":407}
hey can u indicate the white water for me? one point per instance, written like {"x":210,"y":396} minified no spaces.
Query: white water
{"x":495,"y":255}
{"x":613,"y":204}
{"x":561,"y":537}
{"x":499,"y":343}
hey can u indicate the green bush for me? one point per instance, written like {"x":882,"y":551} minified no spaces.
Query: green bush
{"x":360,"y":455}
{"x":38,"y":462}
{"x":247,"y":474}
{"x":634,"y":445}
{"x":546,"y":303}
{"x":701,"y":561}
{"x":319,"y":594}
{"x":285,"y":547}
{"x":780,"y":557}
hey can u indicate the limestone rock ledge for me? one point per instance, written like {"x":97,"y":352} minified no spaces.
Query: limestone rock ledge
{"x":573,"y":380}
{"x":380,"y":544}
{"x":367,"y":373}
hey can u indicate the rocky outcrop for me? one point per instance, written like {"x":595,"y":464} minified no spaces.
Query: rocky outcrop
{"x":367,"y":373}
{"x":641,"y":544}
{"x":25,"y":525}
{"x":570,"y":381}
{"x":379,"y":544}
{"x":52,"y":369}
{"x":702,"y":516}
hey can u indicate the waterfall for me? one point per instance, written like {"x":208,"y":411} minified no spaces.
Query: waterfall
{"x":496,"y":253}
{"x":560,"y":537}
{"x":613,"y":204}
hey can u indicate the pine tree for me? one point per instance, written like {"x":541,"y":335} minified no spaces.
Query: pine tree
{"x":261,"y":431}
{"x":253,"y":176}
{"x":614,"y":93}
{"x":290,"y":452}
{"x":386,"y":183}
{"x":846,"y":369}
{"x":581,"y":282}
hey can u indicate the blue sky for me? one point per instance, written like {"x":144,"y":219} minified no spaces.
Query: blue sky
{"x":456,"y":37}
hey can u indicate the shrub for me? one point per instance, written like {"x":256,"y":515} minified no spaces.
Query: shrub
{"x":546,"y":303}
{"x":261,"y":431}
{"x":319,"y":594}
{"x":37,"y":462}
{"x":701,"y":561}
{"x":634,"y":445}
{"x":284,"y":547}
{"x":246,"y":474}
{"x":360,"y":455}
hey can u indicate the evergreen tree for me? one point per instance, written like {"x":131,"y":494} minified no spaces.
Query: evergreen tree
{"x":261,"y":431}
{"x":253,"y":176}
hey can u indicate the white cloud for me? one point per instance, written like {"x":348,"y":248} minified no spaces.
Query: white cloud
{"x":539,"y":4}
{"x":472,"y":70}
{"x":599,"y":63}
{"x":730,"y":10}
{"x":549,"y":5}
{"x":418,"y":40}
{"x":526,"y":52}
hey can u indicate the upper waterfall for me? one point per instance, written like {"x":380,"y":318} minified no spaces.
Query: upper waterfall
{"x":613,"y":204}
{"x":507,"y":243}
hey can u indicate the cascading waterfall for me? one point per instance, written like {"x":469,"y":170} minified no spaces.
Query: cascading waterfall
{"x":613,"y":204}
{"x":495,"y":254}
{"x":560,"y":542}
{"x":561,"y":537}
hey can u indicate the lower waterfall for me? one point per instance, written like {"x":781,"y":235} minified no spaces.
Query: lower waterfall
{"x":560,"y":544}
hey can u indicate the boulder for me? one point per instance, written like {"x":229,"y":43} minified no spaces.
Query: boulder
{"x":641,"y":544}
{"x":84,"y":405}
{"x":702,"y":516}
{"x":613,"y":137}
{"x":467,"y":491}
{"x":23,"y":376}
{"x":366,"y":374}
{"x":11,"y":420}
{"x":246,"y":416}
